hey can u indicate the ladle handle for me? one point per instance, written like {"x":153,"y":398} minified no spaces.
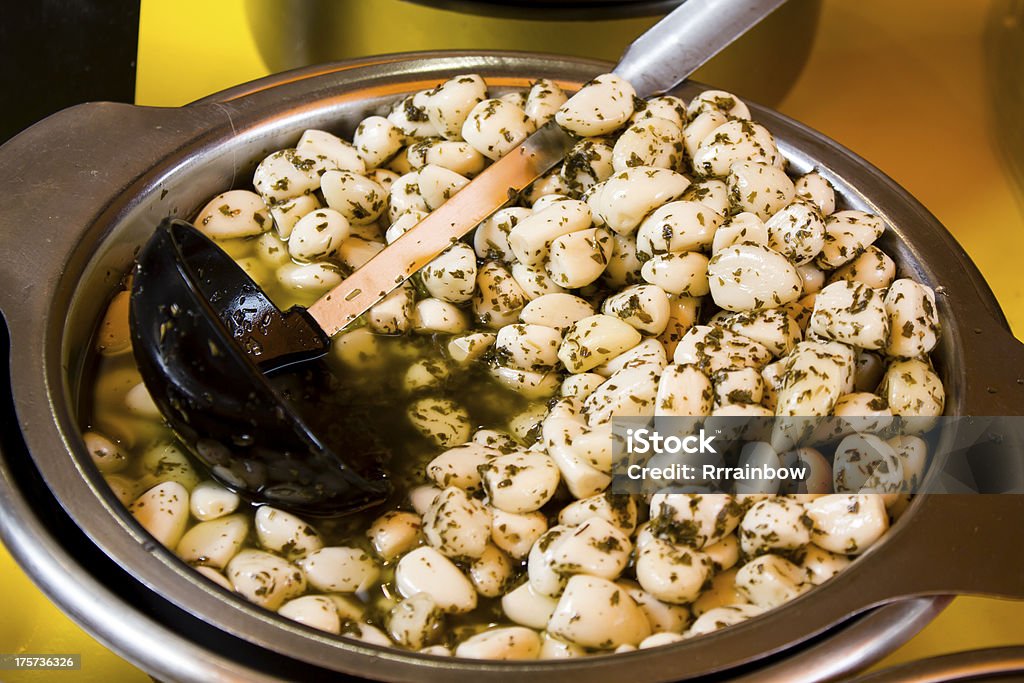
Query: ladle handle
{"x":690,"y":35}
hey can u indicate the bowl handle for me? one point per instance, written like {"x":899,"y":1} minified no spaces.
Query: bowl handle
{"x":993,"y":372}
{"x":62,"y":173}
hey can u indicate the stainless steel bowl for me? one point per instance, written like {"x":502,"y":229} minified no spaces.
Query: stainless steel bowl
{"x":84,"y":190}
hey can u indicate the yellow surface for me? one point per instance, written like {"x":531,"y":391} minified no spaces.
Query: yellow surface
{"x":901,"y":83}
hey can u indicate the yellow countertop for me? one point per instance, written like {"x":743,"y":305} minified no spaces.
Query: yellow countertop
{"x":909,"y":85}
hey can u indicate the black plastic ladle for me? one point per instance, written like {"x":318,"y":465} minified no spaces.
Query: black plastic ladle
{"x":214,"y":351}
{"x":274,"y":438}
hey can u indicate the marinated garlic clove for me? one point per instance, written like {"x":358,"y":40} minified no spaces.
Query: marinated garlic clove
{"x":510,"y":642}
{"x":718,"y":100}
{"x":330,"y":152}
{"x":452,"y":275}
{"x":671,"y":573}
{"x":595,"y":613}
{"x":490,"y":238}
{"x":847,"y":524}
{"x":653,"y":141}
{"x":377,"y":141}
{"x":434,"y":315}
{"x":742,"y":228}
{"x":774,"y":524}
{"x":623,"y":201}
{"x":579,"y":258}
{"x":557,"y":311}
{"x":722,"y":617}
{"x":265,"y":579}
{"x":163,"y":512}
{"x":628,"y":392}
{"x":534,"y":281}
{"x":815,"y":188}
{"x":282,"y":176}
{"x":410,"y":116}
{"x":516,"y":533}
{"x":594,"y":340}
{"x":470,"y":347}
{"x":683,"y":274}
{"x":314,"y":611}
{"x":595,"y":548}
{"x":311,"y":278}
{"x":215,"y":542}
{"x":527,"y":607}
{"x":820,"y":565}
{"x":495,"y":127}
{"x":543,"y":101}
{"x":694,"y":520}
{"x":734,"y":143}
{"x":416,"y":622}
{"x":530,"y":239}
{"x":873,"y":268}
{"x":798,"y":232}
{"x":528,"y":347}
{"x":600,"y":107}
{"x":685,"y":391}
{"x":491,"y":572}
{"x":644,"y":307}
{"x":438,"y":184}
{"x":624,"y":266}
{"x":451,"y":103}
{"x":913,"y":319}
{"x":847,"y":235}
{"x":770,"y":581}
{"x":912,"y":389}
{"x":749,"y":277}
{"x":852,"y":313}
{"x":617,"y":509}
{"x":498,"y":298}
{"x":518,"y":482}
{"x":460,"y":466}
{"x":360,"y":200}
{"x":424,"y":570}
{"x":114,"y":336}
{"x":649,"y":352}
{"x":457,"y":525}
{"x":589,"y":162}
{"x":318,"y":235}
{"x":285,"y":533}
{"x":553,"y":648}
{"x":678,"y":226}
{"x":659,"y":639}
{"x":395,"y":533}
{"x":393,"y":315}
{"x":106,"y":455}
{"x":712,"y":349}
{"x":864,"y":463}
{"x":338,"y":569}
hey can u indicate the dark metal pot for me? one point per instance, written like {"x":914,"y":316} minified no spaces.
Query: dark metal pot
{"x":83,"y":191}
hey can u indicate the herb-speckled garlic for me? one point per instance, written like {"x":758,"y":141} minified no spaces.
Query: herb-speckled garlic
{"x":674,"y":265}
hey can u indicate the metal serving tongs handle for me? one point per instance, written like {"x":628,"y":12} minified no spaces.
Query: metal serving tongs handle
{"x":656,"y":61}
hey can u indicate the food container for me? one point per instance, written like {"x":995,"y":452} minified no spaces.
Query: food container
{"x":87,"y":186}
